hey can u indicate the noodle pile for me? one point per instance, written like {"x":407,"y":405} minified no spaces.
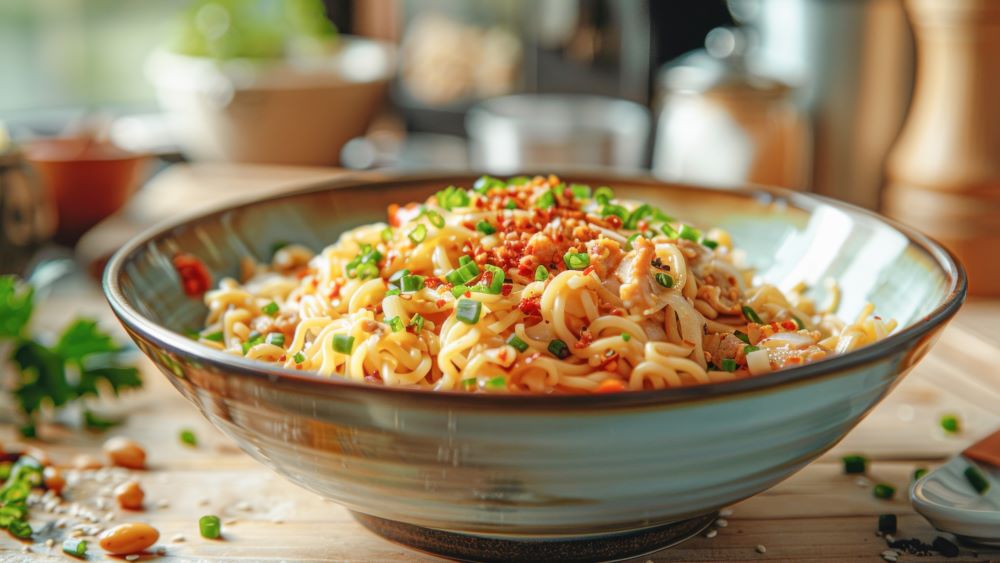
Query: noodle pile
{"x":527,"y":285}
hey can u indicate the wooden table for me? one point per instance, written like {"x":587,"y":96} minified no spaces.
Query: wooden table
{"x":819,"y":514}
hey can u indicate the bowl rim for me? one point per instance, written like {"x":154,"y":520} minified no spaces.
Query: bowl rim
{"x":231,"y":365}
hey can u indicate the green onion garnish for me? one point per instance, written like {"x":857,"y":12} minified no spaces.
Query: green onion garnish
{"x":435,"y":218}
{"x":728,"y":364}
{"x":343,"y":343}
{"x":460,"y":290}
{"x":387,"y":234}
{"x":485,"y":228}
{"x":517,"y":343}
{"x":749,"y":348}
{"x":496,"y":279}
{"x":541,"y":273}
{"x":689,"y":233}
{"x":637,"y":214}
{"x":950,"y":423}
{"x":275,"y":338}
{"x":798,"y":323}
{"x":485,"y":183}
{"x":751,"y":315}
{"x":976,"y":479}
{"x":580,"y":191}
{"x":603,"y":195}
{"x":742,"y":336}
{"x":919,"y":472}
{"x":465,"y":259}
{"x":630,"y":243}
{"x":626,"y":336}
{"x":498,"y":382}
{"x":884,"y":491}
{"x":616,"y":210}
{"x":510,"y":204}
{"x":664,"y":279}
{"x":452,"y":197}
{"x":417,"y":322}
{"x":546,"y":200}
{"x":299,"y":357}
{"x":255,"y":339}
{"x":887,"y":523}
{"x":271,"y":309}
{"x":709,"y":243}
{"x":468,"y":311}
{"x":518,"y":180}
{"x":559,"y":349}
{"x":398,"y":275}
{"x":854,"y":464}
{"x":393,"y":291}
{"x":670,"y":231}
{"x":187,"y":437}
{"x":410,"y":284}
{"x":464,"y":273}
{"x":365,"y":264}
{"x":418,"y":234}
{"x":214,"y":336}
{"x":395,"y":324}
{"x":576,"y":260}
{"x":210,"y":527}
{"x":75,"y":547}
{"x":470,"y":382}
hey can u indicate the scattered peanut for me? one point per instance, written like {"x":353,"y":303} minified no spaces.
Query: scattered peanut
{"x":125,"y":453}
{"x":129,"y":495}
{"x":84,"y":462}
{"x":54,"y":480}
{"x":126,"y":539}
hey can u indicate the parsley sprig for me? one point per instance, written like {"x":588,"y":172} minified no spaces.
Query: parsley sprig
{"x":82,"y":361}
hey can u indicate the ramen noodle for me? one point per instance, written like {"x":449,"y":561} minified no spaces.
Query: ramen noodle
{"x":525,"y":286}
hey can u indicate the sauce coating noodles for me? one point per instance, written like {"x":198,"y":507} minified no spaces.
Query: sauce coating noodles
{"x":527,"y":285}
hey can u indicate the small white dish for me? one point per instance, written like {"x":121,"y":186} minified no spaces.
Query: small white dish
{"x":947,"y":499}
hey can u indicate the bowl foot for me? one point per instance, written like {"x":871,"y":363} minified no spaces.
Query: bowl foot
{"x":466,"y":547}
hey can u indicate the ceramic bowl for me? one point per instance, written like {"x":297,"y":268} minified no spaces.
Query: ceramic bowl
{"x":543,"y":477}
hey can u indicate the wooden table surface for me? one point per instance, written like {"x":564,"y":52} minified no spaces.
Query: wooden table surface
{"x":819,"y":514}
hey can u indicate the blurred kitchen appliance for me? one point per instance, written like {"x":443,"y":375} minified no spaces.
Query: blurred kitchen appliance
{"x":722,"y":124}
{"x":27,"y":219}
{"x":944,"y":172}
{"x":557,"y":131}
{"x":455,"y":53}
{"x":854,"y":62}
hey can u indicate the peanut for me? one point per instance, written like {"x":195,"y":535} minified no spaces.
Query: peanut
{"x":126,"y":539}
{"x":129,"y":495}
{"x":54,"y":480}
{"x":125,"y":453}
{"x":85,"y":461}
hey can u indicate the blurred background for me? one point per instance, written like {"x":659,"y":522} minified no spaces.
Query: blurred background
{"x":117,"y":114}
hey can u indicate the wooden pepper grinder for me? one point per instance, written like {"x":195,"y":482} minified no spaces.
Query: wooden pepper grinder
{"x":944,"y":171}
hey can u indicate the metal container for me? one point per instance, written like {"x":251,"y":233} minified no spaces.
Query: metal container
{"x":557,"y":131}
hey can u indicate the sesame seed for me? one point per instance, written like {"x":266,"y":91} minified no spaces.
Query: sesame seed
{"x":178,"y":538}
{"x":203,"y":502}
{"x":722,"y":522}
{"x":243,"y":505}
{"x":726,"y":512}
{"x":712,"y":533}
{"x":161,"y":550}
{"x":132,"y":557}
{"x":761,"y":549}
{"x":162,"y":503}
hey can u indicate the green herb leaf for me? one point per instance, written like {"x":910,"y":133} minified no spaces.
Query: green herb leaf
{"x":299,"y":357}
{"x":576,"y":260}
{"x":751,"y":315}
{"x":188,"y":437}
{"x":16,"y":306}
{"x":485,"y":228}
{"x":541,"y":273}
{"x":417,"y":322}
{"x":664,"y":279}
{"x":93,"y":421}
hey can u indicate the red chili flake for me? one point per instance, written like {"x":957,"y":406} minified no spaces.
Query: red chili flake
{"x":588,"y":270}
{"x":585,"y":339}
{"x":614,"y":221}
{"x":530,"y":306}
{"x":488,"y":278}
{"x":643,"y":225}
{"x":194,"y":275}
{"x":440,"y":303}
{"x":525,"y":271}
{"x":793,"y":360}
{"x":617,"y":312}
{"x":506,"y":289}
{"x":502,"y":355}
{"x":467,"y":294}
{"x":789,"y":325}
{"x":282,"y":358}
{"x":432,"y":282}
{"x":302,"y":273}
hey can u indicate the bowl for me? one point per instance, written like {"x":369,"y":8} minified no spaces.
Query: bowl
{"x":543,"y":477}
{"x":297,"y":112}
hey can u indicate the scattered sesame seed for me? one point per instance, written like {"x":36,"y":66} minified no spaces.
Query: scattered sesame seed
{"x":243,"y":505}
{"x":726,"y":512}
{"x":712,"y":533}
{"x":178,"y":538}
{"x":761,"y":549}
{"x":722,"y":522}
{"x":132,"y":557}
{"x":203,"y":502}
{"x":861,"y":482}
{"x":162,"y":503}
{"x":230,"y":522}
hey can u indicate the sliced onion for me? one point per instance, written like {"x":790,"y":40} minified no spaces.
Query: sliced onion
{"x":759,"y":362}
{"x":795,"y":339}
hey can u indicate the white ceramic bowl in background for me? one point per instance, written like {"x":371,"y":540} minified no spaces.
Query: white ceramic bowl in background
{"x":278,"y":112}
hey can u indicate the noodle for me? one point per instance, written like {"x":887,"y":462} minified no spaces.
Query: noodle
{"x":525,"y":286}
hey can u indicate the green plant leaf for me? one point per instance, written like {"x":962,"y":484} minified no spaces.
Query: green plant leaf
{"x":16,"y":306}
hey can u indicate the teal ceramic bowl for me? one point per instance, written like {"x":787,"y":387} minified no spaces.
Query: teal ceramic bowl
{"x":543,"y":477}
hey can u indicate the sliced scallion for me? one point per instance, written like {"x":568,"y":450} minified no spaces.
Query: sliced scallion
{"x":410,"y":284}
{"x":275,"y":338}
{"x":603,"y":195}
{"x":559,"y":349}
{"x":580,"y":191}
{"x":689,"y":233}
{"x":485,"y":228}
{"x":271,"y":309}
{"x":343,"y":343}
{"x":541,"y":273}
{"x":517,"y":343}
{"x":417,"y":322}
{"x":751,"y":315}
{"x":299,"y":357}
{"x":418,"y":234}
{"x":468,"y":311}
{"x":576,"y":260}
{"x":395,"y":324}
{"x":666,"y":280}
{"x":728,"y":364}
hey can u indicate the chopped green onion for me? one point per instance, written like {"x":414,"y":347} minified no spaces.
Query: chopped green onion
{"x":459,"y":290}
{"x":510,"y":204}
{"x":75,"y":547}
{"x":275,"y":338}
{"x":464,"y":273}
{"x":749,"y":348}
{"x":468,"y":382}
{"x":559,"y":349}
{"x":192,"y":334}
{"x":616,"y":210}
{"x":670,"y":231}
{"x":395,"y":324}
{"x":751,"y":315}
{"x":343,"y":343}
{"x":398,"y":275}
{"x":410,"y":284}
{"x":919,"y":472}
{"x":580,"y":191}
{"x":742,"y":336}
{"x":393,"y":291}
{"x":884,"y":491}
{"x":798,"y":323}
{"x":664,"y":279}
{"x":546,"y":200}
{"x":887,"y":523}
{"x":452,"y":197}
{"x":468,"y":311}
{"x":854,"y":464}
{"x":689,"y":233}
{"x":498,"y":382}
{"x":630,"y":243}
{"x":187,"y":437}
{"x":576,"y":260}
{"x":464,"y":259}
{"x":417,"y":322}
{"x":637,"y":214}
{"x":418,"y":234}
{"x":485,"y":228}
{"x":660,"y":216}
{"x":387,"y":234}
{"x":541,"y":273}
{"x":603,"y":195}
{"x":271,"y":309}
{"x":709,"y":243}
{"x":216,"y":336}
{"x":435,"y":218}
{"x":365,"y":264}
{"x":255,"y":339}
{"x":518,"y":180}
{"x":976,"y":479}
{"x":210,"y":527}
{"x":626,"y":336}
{"x":950,"y":423}
{"x":517,"y":343}
{"x":728,"y":364}
{"x":497,"y":276}
{"x":485,"y":183}
{"x":299,"y":357}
